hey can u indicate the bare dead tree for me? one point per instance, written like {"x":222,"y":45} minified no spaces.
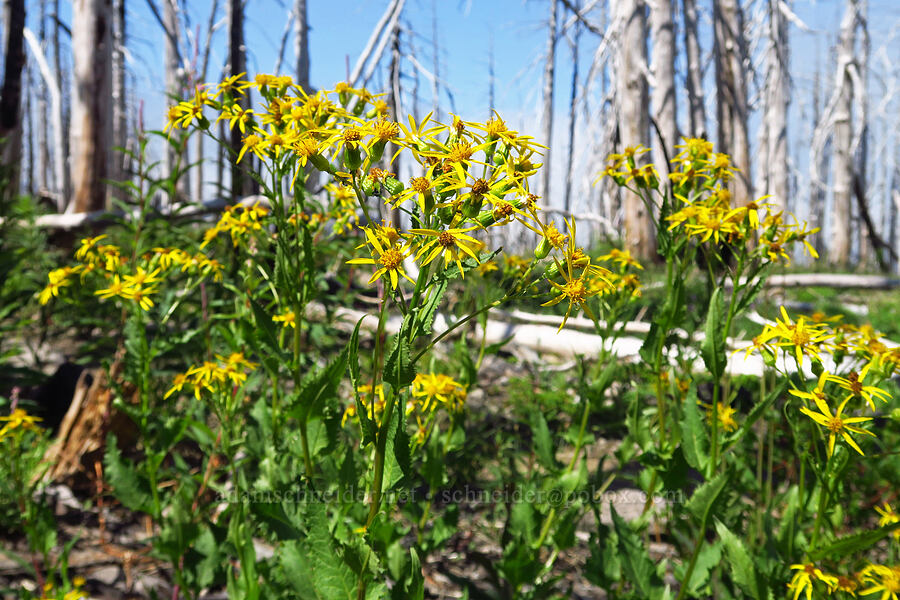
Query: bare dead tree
{"x":491,"y":77}
{"x":547,"y":118}
{"x":201,"y":76}
{"x":860,"y":143}
{"x":663,"y":99}
{"x":301,"y":43}
{"x":119,"y":169}
{"x":694,"y":75}
{"x":174,"y":72}
{"x":573,"y":113}
{"x":369,"y":51}
{"x":52,"y":87}
{"x":839,"y":248}
{"x":11,"y":98}
{"x":240,"y":183}
{"x":777,"y":101}
{"x":91,"y":131}
{"x":631,"y":102}
{"x":64,"y":115}
{"x":285,"y":33}
{"x":394,"y":101}
{"x":731,"y":89}
{"x":43,"y":134}
{"x":436,"y":56}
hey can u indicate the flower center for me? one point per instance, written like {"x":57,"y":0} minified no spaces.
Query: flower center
{"x":835,"y":424}
{"x":575,"y":290}
{"x":420,"y":184}
{"x":855,"y":384}
{"x":480,"y":187}
{"x":391,"y":259}
{"x":351,"y":135}
{"x":800,"y":337}
{"x":446,"y":239}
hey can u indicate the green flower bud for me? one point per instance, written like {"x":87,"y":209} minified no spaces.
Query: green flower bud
{"x":370,"y":187}
{"x":543,"y":249}
{"x":393,"y":186}
{"x":473,"y":207}
{"x":352,"y":158}
{"x":376,"y":151}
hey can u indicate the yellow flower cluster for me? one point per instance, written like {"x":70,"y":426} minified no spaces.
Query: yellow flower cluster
{"x":430,"y":391}
{"x":137,"y":285}
{"x":18,"y":420}
{"x":472,"y":176}
{"x":810,"y":336}
{"x":878,"y":581}
{"x":872,"y":361}
{"x":238,"y":221}
{"x":220,"y":375}
{"x":76,"y":593}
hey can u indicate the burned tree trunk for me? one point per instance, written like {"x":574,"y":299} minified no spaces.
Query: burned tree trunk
{"x":91,"y":127}
{"x":547,"y":118}
{"x":119,"y":170}
{"x":632,"y":101}
{"x":11,"y":100}
{"x":301,"y":44}
{"x":240,"y":182}
{"x":662,"y":32}
{"x":731,"y":88}
{"x":839,"y":250}
{"x":694,"y":76}
{"x":777,"y":102}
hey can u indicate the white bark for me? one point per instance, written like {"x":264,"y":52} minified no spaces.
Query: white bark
{"x":547,"y":117}
{"x":731,"y":88}
{"x":55,"y":114}
{"x":631,"y":102}
{"x":120,"y":116}
{"x":91,"y":127}
{"x":839,"y":249}
{"x":776,"y":102}
{"x":694,"y":76}
{"x":662,"y":33}
{"x":301,"y":44}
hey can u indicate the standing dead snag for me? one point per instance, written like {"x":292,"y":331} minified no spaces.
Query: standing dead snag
{"x":91,"y":127}
{"x":731,"y":88}
{"x":547,"y":117}
{"x":777,"y":101}
{"x":694,"y":76}
{"x":11,"y":98}
{"x":631,"y":102}
{"x":842,"y":140}
{"x":662,"y":33}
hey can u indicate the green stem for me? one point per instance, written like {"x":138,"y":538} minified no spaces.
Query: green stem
{"x":380,"y":445}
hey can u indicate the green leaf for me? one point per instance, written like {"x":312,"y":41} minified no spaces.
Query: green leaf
{"x":847,"y":545}
{"x":318,"y":386}
{"x":637,"y":566}
{"x":543,"y":444}
{"x":424,"y":317}
{"x":694,"y":438}
{"x":264,"y":325}
{"x":713,"y":347}
{"x":705,"y":496}
{"x":399,"y":370}
{"x":396,"y":451}
{"x":741,"y":564}
{"x":129,"y":486}
{"x":759,"y":410}
{"x":368,"y":426}
{"x":416,"y":588}
{"x":315,"y":569}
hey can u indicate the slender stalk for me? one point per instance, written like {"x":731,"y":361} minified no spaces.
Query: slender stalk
{"x":380,"y":445}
